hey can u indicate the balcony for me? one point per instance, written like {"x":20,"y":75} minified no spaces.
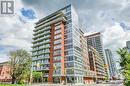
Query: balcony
{"x":45,"y":62}
{"x":42,"y":38}
{"x":57,"y":74}
{"x":47,"y":41}
{"x":42,"y":30}
{"x":41,"y":48}
{"x":41,"y":53}
{"x":56,"y":17}
{"x":45,"y":68}
{"x":33,"y":54}
{"x":40,"y":58}
{"x":34,"y":58}
{"x":40,"y":35}
{"x":41,"y":43}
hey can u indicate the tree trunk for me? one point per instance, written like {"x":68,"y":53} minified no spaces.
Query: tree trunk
{"x":13,"y":80}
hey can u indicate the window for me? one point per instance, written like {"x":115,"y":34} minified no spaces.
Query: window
{"x":68,"y":31}
{"x":57,"y":31}
{"x":68,"y":14}
{"x":69,"y":21}
{"x":57,"y":52}
{"x":58,"y":71}
{"x":57,"y":27}
{"x":57,"y":65}
{"x":57,"y":46}
{"x":69,"y":58}
{"x":47,"y":55}
{"x":78,"y":48}
{"x":57,"y":58}
{"x":68,"y":34}
{"x":68,"y":41}
{"x":46,"y":50}
{"x":57,"y":36}
{"x":57,"y":41}
{"x":68,"y":52}
{"x":68,"y":46}
{"x":70,"y":64}
{"x":45,"y":61}
{"x":70,"y":71}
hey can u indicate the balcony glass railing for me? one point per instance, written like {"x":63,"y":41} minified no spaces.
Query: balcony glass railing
{"x":34,"y":58}
{"x":39,"y":35}
{"x":45,"y":68}
{"x":44,"y":29}
{"x":41,"y":53}
{"x":40,"y":43}
{"x":42,"y":47}
{"x":34,"y":54}
{"x":45,"y":62}
{"x":43,"y":57}
{"x":42,"y":38}
{"x":41,"y":28}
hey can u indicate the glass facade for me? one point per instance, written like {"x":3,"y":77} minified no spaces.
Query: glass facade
{"x":110,"y":63}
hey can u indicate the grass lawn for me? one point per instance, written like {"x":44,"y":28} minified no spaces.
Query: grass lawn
{"x":12,"y":85}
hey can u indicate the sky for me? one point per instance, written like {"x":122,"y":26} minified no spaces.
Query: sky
{"x":111,"y":17}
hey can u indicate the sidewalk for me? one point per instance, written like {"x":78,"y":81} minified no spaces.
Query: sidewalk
{"x":46,"y":84}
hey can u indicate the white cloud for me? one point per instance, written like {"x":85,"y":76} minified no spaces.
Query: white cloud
{"x":114,"y":38}
{"x":14,"y":33}
{"x":15,"y":42}
{"x":115,"y":35}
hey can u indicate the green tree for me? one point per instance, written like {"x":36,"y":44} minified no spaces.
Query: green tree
{"x":125,"y":64}
{"x":20,"y":64}
{"x":37,"y":76}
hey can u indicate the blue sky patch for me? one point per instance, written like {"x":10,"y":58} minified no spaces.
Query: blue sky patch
{"x":28,"y":13}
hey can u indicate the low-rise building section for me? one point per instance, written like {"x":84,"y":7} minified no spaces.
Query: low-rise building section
{"x":4,"y":72}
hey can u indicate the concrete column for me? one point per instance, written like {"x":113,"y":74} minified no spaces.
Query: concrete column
{"x":50,"y":78}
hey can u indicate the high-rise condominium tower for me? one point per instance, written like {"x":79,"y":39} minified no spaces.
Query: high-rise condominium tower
{"x":95,"y":40}
{"x":60,"y":49}
{"x":111,"y":63}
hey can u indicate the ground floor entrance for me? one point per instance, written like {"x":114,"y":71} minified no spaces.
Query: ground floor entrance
{"x":89,"y":80}
{"x":72,"y":79}
{"x":67,"y":79}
